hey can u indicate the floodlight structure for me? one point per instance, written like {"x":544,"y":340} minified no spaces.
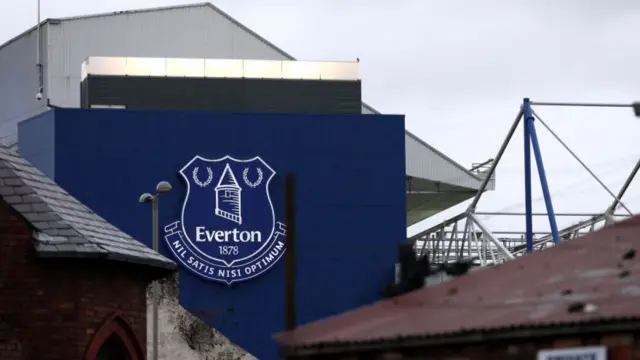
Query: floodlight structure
{"x":465,"y":236}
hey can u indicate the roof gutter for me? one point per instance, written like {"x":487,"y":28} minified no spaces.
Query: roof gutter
{"x":466,"y":337}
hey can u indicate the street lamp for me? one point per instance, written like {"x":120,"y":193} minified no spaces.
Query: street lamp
{"x":162,"y":187}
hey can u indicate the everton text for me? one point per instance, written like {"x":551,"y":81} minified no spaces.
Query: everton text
{"x":204,"y":235}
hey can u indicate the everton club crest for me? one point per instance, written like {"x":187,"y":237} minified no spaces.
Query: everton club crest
{"x":228,"y":231}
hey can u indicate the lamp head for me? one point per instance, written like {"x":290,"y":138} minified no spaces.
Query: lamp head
{"x":163,"y":187}
{"x":145,"y":198}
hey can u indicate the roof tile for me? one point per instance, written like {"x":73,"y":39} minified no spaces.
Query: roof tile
{"x":65,"y":227}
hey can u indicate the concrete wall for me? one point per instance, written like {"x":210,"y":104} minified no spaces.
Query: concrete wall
{"x":175,"y":342}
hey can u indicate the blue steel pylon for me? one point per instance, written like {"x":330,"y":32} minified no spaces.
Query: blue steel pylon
{"x":531,"y":141}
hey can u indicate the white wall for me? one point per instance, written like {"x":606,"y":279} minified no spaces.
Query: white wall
{"x":19,"y":82}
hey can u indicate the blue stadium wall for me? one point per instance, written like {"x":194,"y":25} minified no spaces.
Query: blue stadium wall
{"x":350,"y":196}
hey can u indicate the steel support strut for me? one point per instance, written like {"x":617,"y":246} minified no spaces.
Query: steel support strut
{"x":528,"y":115}
{"x":493,"y":250}
{"x":616,"y":201}
{"x":535,"y":145}
{"x":492,"y":169}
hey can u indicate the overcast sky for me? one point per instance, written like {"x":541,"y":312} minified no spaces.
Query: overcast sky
{"x":458,"y":69}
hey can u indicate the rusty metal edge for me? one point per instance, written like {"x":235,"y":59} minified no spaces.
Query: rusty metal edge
{"x":468,"y":337}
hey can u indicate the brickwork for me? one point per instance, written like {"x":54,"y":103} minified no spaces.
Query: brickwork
{"x":620,"y":346}
{"x":51,"y":309}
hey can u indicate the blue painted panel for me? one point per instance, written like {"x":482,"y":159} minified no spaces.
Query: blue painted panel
{"x":350,"y":200}
{"x":37,"y":142}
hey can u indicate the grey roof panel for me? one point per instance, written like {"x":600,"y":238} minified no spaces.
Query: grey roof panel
{"x":64,"y":226}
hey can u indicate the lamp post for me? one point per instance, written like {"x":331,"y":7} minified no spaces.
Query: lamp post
{"x":162,"y":187}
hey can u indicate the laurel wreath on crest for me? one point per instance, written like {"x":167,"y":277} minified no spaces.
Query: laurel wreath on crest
{"x":197,"y":181}
{"x":246,"y":178}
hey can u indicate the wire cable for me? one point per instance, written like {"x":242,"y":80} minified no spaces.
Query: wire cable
{"x":581,"y":162}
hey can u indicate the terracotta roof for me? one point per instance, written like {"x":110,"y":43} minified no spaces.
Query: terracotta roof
{"x":533,"y":291}
{"x":64,"y":227}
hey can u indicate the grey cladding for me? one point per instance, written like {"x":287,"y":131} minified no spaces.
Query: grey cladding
{"x":65,"y":227}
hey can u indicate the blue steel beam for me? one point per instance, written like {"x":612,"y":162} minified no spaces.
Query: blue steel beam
{"x":528,"y":117}
{"x":529,"y":122}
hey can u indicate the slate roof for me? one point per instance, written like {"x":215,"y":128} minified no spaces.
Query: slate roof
{"x":64,"y":227}
{"x":588,"y":281}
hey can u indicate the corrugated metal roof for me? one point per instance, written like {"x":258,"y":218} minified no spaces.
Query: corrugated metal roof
{"x":599,"y":273}
{"x":64,"y":227}
{"x":437,"y":165}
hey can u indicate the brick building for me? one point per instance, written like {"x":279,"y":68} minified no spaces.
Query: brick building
{"x":72,"y":286}
{"x":582,"y":295}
